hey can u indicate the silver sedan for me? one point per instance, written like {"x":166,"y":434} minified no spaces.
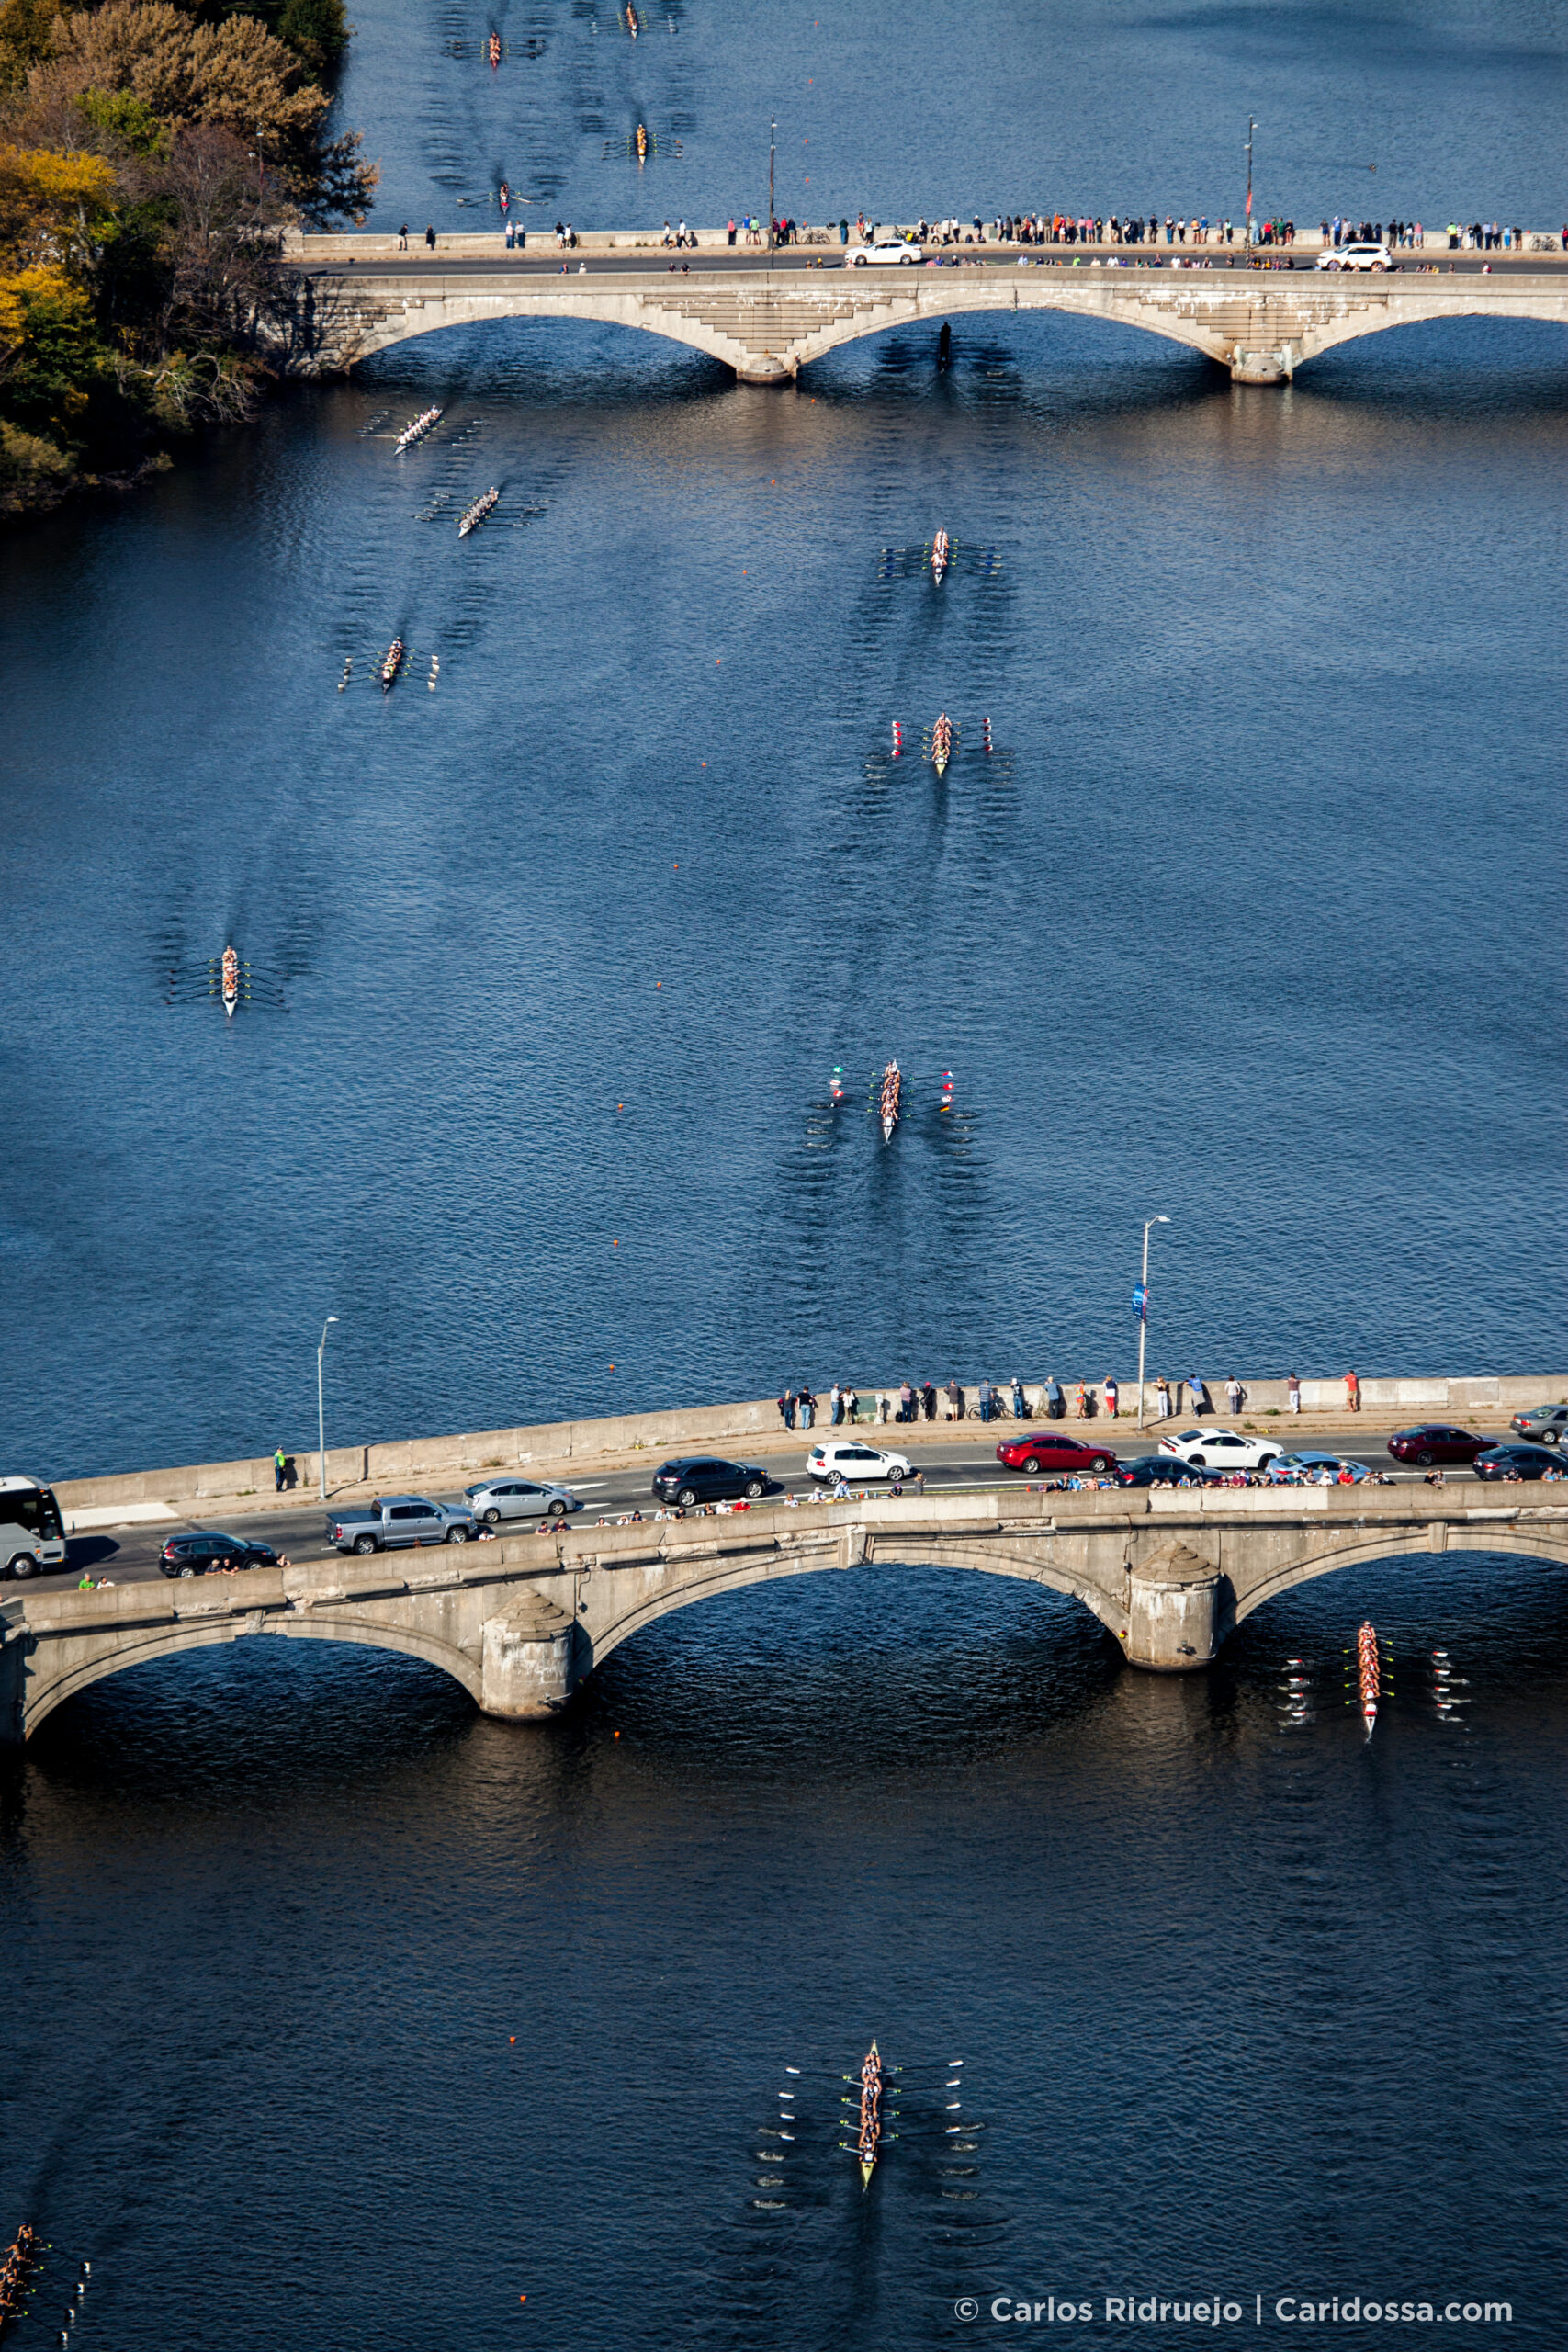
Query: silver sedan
{"x":497,"y":1499}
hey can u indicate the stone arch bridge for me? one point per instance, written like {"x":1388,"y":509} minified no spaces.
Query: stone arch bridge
{"x":519,"y":1622}
{"x":767,"y":326}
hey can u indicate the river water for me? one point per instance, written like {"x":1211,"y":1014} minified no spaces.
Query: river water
{"x":1251,"y":916}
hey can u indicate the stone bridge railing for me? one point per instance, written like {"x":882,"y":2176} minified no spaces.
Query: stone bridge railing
{"x":519,"y":1622}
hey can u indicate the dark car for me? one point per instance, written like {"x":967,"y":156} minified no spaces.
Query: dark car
{"x":1434,"y":1442}
{"x":1518,"y":1461}
{"x":193,"y":1555}
{"x":703,"y":1478}
{"x":1164,"y":1470}
{"x":1546,"y":1424}
{"x":1052,"y":1450}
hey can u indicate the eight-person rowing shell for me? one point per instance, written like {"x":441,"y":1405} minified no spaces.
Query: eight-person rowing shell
{"x":941,"y":742}
{"x":416,"y":431}
{"x":892,"y":1090}
{"x":482,"y":507}
{"x":870,"y":2138}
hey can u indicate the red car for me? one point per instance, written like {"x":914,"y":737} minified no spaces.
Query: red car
{"x":1434,"y":1442}
{"x":1052,"y":1450}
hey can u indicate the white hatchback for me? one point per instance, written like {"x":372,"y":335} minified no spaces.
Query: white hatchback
{"x":888,"y":249}
{"x":1355,"y":257}
{"x":857,"y":1463}
{"x":1221,"y":1450}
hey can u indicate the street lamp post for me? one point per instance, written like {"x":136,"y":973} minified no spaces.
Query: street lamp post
{"x":1144,"y":1310}
{"x":322,"y":1408}
{"x":773,"y":143}
{"x":1247,"y":218}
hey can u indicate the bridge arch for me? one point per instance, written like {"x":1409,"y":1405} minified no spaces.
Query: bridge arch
{"x":44,"y":1697}
{"x":721,"y":335}
{"x":1359,"y":1547}
{"x":737,"y":1575}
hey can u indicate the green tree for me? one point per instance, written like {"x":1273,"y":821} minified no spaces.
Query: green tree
{"x":52,"y":353}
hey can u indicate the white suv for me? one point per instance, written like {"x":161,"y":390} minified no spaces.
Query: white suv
{"x":1221,"y":1450}
{"x":1355,"y":257}
{"x":857,"y":1463}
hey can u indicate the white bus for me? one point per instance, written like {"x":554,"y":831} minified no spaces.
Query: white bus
{"x":31,"y":1536}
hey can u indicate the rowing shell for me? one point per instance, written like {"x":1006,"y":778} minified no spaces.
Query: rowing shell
{"x":941,"y":742}
{"x":892,"y":1088}
{"x":870,"y":2114}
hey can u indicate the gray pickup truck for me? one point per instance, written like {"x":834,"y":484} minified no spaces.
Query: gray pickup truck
{"x":394,"y":1519}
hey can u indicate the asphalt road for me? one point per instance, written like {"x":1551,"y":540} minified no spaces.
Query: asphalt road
{"x":129,"y":1555}
{"x":547,"y":263}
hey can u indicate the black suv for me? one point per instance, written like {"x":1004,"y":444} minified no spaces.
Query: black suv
{"x":700,"y":1479}
{"x":193,"y":1555}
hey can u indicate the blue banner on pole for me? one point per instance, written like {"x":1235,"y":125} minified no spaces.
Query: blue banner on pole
{"x":1141,"y":1302}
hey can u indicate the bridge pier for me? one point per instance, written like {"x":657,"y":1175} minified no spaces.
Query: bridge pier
{"x":1179,"y":1611}
{"x":1264,"y":366}
{"x":527,"y":1672}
